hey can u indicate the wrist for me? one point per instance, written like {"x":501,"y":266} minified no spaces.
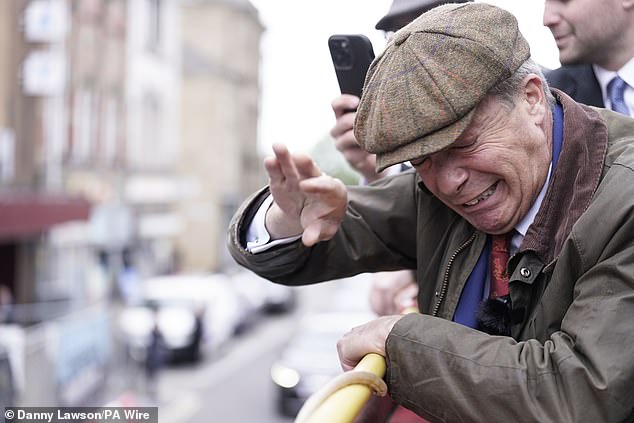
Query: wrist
{"x":280,"y":224}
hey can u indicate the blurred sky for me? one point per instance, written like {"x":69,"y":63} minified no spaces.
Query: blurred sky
{"x":298,"y":78}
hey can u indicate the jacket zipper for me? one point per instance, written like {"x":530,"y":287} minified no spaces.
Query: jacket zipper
{"x":445,"y":281}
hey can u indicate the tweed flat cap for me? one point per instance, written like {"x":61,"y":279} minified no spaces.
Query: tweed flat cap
{"x":421,"y":92}
{"x":400,"y":11}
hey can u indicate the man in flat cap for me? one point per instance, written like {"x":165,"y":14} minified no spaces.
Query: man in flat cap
{"x":501,"y":162}
{"x":391,"y":292}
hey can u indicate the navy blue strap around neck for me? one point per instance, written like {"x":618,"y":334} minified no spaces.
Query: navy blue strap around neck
{"x":558,"y":132}
{"x":474,"y":290}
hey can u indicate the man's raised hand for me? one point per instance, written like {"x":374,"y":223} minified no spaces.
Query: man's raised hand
{"x":306,"y":201}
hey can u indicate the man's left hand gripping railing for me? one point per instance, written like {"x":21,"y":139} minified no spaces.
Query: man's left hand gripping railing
{"x":342,"y":399}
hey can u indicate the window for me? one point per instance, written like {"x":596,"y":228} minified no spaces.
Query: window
{"x":7,"y":155}
{"x":153,"y":25}
{"x":110,"y":130}
{"x":83,"y":126}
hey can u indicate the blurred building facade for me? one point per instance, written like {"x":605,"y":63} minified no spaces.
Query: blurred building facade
{"x":220,"y":105}
{"x":32,"y":200}
{"x":88,"y":104}
{"x":49,"y":265}
{"x":153,"y":186}
{"x":128,"y":136}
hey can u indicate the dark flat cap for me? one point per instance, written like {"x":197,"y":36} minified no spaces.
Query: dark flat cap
{"x":421,"y":92}
{"x":403,"y":12}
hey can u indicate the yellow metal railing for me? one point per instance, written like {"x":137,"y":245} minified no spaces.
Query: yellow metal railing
{"x":344,"y":405}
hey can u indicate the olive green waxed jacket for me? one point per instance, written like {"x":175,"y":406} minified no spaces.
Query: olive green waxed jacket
{"x":571,"y":354}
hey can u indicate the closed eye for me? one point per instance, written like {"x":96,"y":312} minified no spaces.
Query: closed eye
{"x":463,"y":146}
{"x":418,"y":162}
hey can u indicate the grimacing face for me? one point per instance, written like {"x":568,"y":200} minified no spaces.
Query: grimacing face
{"x":492,"y":175}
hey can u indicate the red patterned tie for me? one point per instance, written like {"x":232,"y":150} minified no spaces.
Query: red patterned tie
{"x":499,"y":258}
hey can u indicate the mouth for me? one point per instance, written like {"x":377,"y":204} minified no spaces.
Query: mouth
{"x":561,"y":40}
{"x":486,"y":194}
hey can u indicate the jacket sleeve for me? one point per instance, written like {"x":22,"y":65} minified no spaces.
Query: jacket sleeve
{"x":375,"y":235}
{"x":581,"y":369}
{"x":446,"y":372}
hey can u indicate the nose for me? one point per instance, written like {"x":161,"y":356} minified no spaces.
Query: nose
{"x":551,"y":13}
{"x":451,"y":177}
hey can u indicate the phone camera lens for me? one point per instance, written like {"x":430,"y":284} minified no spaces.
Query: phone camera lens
{"x":341,"y":53}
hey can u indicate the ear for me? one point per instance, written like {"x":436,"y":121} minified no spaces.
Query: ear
{"x":534,"y":97}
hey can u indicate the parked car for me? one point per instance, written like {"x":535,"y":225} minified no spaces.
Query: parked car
{"x":7,"y":387}
{"x":191,"y":311}
{"x":227,"y":310}
{"x":176,"y":324}
{"x":263,"y":294}
{"x":310,"y":358}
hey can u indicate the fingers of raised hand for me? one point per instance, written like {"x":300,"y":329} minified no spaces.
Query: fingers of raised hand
{"x":324,"y":208}
{"x":285,"y":163}
{"x":306,"y":167}
{"x":324,"y":186}
{"x":286,"y":170}
{"x":272,"y":166}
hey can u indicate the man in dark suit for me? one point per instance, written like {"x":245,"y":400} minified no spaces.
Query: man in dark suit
{"x":596,"y":44}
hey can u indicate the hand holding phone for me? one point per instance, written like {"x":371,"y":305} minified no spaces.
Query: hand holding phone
{"x":351,"y":56}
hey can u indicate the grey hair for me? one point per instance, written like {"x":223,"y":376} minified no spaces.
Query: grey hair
{"x":507,"y":90}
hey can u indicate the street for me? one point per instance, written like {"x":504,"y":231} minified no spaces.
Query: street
{"x":234,"y":385}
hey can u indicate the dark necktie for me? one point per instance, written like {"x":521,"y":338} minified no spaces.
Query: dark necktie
{"x":616,"y":90}
{"x":499,"y":258}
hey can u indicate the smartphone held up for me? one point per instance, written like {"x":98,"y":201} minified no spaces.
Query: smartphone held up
{"x":351,"y":56}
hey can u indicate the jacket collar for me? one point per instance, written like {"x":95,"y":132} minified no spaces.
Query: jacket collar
{"x":585,"y":141}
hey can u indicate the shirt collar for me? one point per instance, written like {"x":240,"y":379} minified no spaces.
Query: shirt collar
{"x":626,"y":73}
{"x":522,"y":225}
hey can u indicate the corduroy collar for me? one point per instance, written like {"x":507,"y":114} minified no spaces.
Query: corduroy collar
{"x":571,"y":184}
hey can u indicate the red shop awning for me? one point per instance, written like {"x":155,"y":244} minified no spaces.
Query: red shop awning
{"x":24,"y":215}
